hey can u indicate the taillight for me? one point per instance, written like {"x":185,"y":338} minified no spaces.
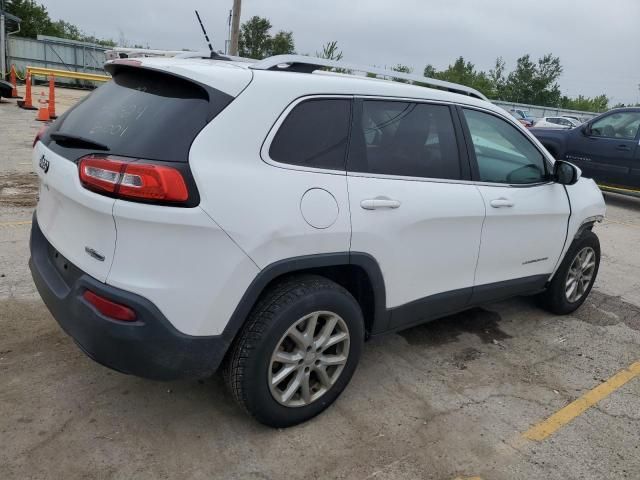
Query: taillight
{"x":108,"y":308}
{"x":39,"y":135}
{"x":130,"y":179}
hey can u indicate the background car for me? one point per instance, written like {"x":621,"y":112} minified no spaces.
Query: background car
{"x":5,"y":89}
{"x":577,"y":119}
{"x":523,"y":117}
{"x":556,"y":122}
{"x":606,"y":148}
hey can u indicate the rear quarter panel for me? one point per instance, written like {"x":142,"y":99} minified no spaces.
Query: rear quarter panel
{"x":183,"y":262}
{"x":257,"y":203}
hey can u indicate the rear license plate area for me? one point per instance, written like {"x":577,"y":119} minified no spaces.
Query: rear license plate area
{"x":66,"y":269}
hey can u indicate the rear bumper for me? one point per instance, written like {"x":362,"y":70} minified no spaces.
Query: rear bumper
{"x":150,"y":347}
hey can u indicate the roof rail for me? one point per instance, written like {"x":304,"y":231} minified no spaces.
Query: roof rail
{"x":305,"y":64}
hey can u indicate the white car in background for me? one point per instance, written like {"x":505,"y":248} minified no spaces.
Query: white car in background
{"x":556,"y":122}
{"x":577,"y":119}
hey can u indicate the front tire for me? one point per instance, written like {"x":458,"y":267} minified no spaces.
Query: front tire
{"x":297,"y":352}
{"x":574,"y":279}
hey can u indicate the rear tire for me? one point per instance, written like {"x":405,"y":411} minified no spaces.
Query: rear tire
{"x":297,"y":351}
{"x":574,"y":279}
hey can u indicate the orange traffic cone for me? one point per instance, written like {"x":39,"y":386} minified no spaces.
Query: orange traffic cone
{"x":14,"y":90}
{"x":43,"y":111}
{"x":27,"y":103}
{"x":52,"y":97}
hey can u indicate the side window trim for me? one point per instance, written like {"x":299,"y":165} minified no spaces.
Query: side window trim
{"x":463,"y":156}
{"x":475,"y":171}
{"x":271,"y":134}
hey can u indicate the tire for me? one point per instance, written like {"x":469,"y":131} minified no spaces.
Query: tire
{"x":252,"y":368}
{"x":556,"y":298}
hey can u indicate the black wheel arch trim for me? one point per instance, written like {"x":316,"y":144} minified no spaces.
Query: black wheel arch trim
{"x":588,"y":225}
{"x":305,"y":263}
{"x":385,"y":320}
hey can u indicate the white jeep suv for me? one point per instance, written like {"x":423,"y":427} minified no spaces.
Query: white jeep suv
{"x":269,"y":217}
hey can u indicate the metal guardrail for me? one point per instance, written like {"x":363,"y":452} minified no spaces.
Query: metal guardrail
{"x":46,"y":72}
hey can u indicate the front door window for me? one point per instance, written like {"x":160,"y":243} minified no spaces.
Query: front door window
{"x":623,"y":125}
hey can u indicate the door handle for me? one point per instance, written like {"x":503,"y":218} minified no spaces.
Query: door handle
{"x":379,"y":203}
{"x":624,"y":148}
{"x":501,"y":202}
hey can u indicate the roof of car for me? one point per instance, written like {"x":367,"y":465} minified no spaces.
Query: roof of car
{"x":625,"y":109}
{"x":232,"y":76}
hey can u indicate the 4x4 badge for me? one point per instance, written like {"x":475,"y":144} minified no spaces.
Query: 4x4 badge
{"x":44,"y":164}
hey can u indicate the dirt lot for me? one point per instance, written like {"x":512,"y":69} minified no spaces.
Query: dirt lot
{"x":451,"y":399}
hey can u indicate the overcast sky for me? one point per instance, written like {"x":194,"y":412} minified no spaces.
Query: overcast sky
{"x":597,"y":41}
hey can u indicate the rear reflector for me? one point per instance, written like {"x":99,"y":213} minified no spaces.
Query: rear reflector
{"x":108,"y":308}
{"x":126,"y":178}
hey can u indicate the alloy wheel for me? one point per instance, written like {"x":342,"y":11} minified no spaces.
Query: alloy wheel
{"x":580,"y":274}
{"x":308,"y":359}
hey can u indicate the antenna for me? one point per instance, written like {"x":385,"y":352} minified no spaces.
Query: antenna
{"x":227,"y":42}
{"x":205,"y":34}
{"x":214,"y":55}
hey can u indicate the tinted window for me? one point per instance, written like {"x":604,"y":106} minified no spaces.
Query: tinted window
{"x":407,"y":139}
{"x":142,"y":114}
{"x":617,"y":125}
{"x":503,"y":154}
{"x":314,"y":134}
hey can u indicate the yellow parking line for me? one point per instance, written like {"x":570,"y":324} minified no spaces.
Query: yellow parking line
{"x":619,"y":189}
{"x":13,"y":224}
{"x":546,"y":428}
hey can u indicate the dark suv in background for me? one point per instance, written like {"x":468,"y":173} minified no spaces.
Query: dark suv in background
{"x":606,"y":148}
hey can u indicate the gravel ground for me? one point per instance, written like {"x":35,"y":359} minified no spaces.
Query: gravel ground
{"x":440,"y":401}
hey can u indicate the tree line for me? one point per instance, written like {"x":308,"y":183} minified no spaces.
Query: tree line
{"x":533,"y":82}
{"x":36,"y":21}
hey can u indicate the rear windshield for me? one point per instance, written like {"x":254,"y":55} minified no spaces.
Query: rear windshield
{"x":142,"y":114}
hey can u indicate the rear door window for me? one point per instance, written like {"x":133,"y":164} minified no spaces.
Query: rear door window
{"x":405,"y":139}
{"x":142,"y":114}
{"x":314,"y":134}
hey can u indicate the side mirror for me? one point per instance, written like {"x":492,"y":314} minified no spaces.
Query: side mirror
{"x":586,"y":129}
{"x":565,"y":173}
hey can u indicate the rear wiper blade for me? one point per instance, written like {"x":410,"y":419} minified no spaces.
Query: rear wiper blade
{"x":79,"y":141}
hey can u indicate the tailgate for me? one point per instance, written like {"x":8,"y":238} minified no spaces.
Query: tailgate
{"x":141,"y":115}
{"x":77,"y":222}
